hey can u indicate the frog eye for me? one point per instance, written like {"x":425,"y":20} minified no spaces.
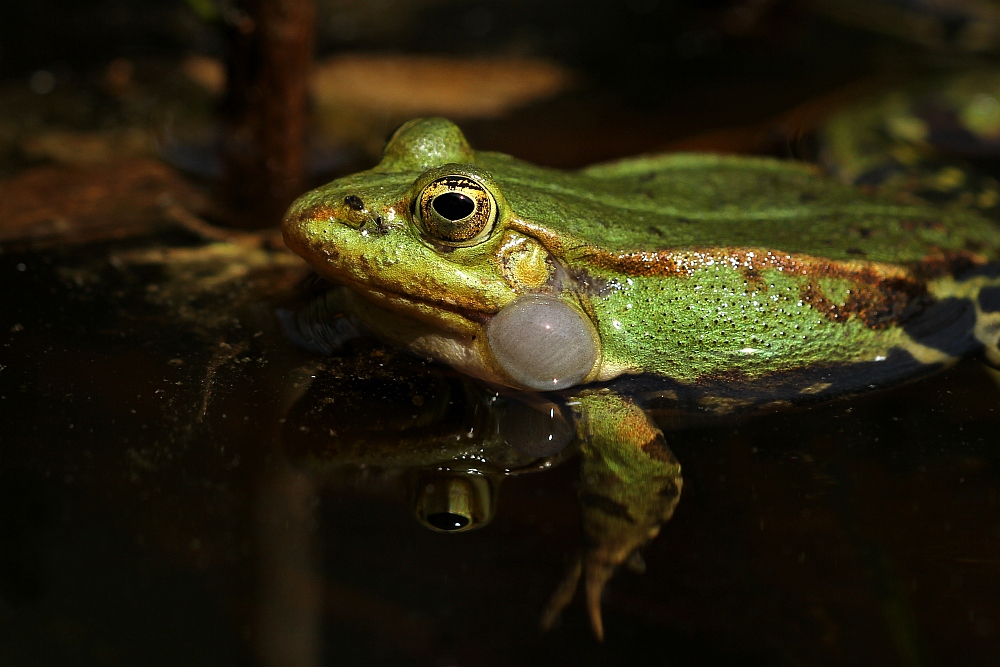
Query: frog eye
{"x":452,"y":501}
{"x":456,"y":210}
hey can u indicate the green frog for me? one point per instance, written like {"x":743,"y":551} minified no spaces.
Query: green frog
{"x":708,"y":284}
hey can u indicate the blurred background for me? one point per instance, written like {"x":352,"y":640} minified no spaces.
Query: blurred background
{"x":565,"y":84}
{"x":558,"y":83}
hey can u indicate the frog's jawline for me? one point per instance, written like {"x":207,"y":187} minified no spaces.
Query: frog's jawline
{"x":363,"y":290}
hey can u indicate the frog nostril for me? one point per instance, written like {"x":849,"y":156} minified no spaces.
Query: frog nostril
{"x":453,"y":206}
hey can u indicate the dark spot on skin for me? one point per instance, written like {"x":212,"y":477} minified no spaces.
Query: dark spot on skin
{"x":856,"y":251}
{"x":878,"y":305}
{"x":989,"y":299}
{"x":806,"y":197}
{"x":947,"y":264}
{"x":669,"y":490}
{"x":657,"y":450}
{"x":754,"y":278}
{"x":946,"y":325}
{"x":605,"y":505}
{"x":686,"y":221}
{"x":878,"y":175}
{"x":354,"y":203}
{"x":589,"y":284}
{"x":881,"y":306}
{"x":863,"y":232}
{"x":655,"y":231}
{"x":986,"y":271}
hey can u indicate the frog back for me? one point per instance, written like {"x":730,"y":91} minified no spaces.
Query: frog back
{"x":733,"y":282}
{"x":691,"y":200}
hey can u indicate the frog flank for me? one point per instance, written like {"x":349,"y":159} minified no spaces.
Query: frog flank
{"x":695,"y":270}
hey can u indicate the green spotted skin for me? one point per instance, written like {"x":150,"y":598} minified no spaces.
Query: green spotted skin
{"x":714,"y":323}
{"x":728,"y":308}
{"x":693,"y":268}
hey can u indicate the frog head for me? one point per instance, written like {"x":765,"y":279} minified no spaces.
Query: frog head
{"x":439,"y":262}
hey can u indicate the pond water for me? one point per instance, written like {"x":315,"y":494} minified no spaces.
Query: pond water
{"x":180,"y":485}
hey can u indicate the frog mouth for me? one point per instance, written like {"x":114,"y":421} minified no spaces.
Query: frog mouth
{"x":416,"y":303}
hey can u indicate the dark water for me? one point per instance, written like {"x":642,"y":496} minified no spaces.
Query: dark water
{"x":168,"y":497}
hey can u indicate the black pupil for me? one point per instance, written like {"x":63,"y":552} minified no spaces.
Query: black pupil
{"x":447,"y":521}
{"x":453,"y":205}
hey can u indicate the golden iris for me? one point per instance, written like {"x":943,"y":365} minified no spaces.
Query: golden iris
{"x":456,"y":210}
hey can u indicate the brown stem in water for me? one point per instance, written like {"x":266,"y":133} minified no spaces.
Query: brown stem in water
{"x":271,"y":51}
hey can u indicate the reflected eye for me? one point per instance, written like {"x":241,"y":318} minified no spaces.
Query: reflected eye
{"x":456,"y":210}
{"x":452,"y":501}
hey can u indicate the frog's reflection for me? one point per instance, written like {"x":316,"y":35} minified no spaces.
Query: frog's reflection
{"x":450,"y":498}
{"x":455,"y":441}
{"x":453,"y":501}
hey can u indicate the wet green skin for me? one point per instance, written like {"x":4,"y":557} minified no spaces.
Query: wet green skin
{"x":709,"y":273}
{"x":690,"y":267}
